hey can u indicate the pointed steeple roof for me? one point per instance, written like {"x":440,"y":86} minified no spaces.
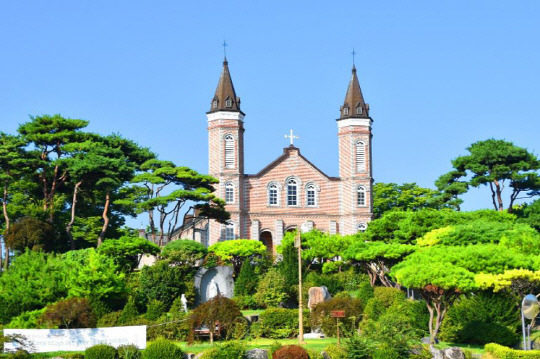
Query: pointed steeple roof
{"x":225,"y":98}
{"x":354,"y":105}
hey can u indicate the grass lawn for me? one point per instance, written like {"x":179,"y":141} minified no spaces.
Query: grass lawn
{"x":263,"y":343}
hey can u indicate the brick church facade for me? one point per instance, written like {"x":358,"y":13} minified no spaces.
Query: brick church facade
{"x":290,"y":192}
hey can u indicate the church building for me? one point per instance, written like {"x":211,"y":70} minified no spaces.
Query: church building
{"x":290,"y":192}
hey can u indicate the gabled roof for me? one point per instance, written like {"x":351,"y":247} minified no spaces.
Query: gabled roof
{"x":354,"y":99}
{"x":286,"y":154}
{"x":224,"y":91}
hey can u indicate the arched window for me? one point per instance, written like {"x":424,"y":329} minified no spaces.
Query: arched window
{"x":230,"y":228}
{"x":361,"y":227}
{"x":292,"y":192}
{"x":360,"y":156}
{"x":273,"y":195}
{"x":359,"y":110}
{"x":311,"y":195}
{"x":229,"y":151}
{"x":361,"y":196}
{"x":228,"y":102}
{"x":229,"y":192}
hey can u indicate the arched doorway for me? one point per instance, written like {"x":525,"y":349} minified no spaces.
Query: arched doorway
{"x":266,"y":238}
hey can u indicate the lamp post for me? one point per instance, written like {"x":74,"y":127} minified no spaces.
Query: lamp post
{"x":298,"y":244}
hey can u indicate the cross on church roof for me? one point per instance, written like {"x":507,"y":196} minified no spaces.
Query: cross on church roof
{"x":224,"y":48}
{"x":353,"y":53}
{"x":292,"y":137}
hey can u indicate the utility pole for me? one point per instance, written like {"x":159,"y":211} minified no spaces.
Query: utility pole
{"x":298,"y":244}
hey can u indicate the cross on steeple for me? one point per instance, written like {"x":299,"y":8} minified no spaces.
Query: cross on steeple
{"x":353,"y":53}
{"x":224,"y":48}
{"x":291,"y":137}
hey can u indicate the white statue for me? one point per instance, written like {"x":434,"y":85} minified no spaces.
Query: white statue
{"x":183,"y":299}
{"x":212,"y":290}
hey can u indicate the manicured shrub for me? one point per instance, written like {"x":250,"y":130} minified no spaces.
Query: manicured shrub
{"x":336,"y":352}
{"x":100,"y":351}
{"x":364,"y":292}
{"x":279,"y":323}
{"x":28,"y":320}
{"x":109,"y":319}
{"x":70,"y":313}
{"x":184,"y":252}
{"x":218,"y":310}
{"x":358,"y":348}
{"x":129,"y":313}
{"x":272,"y":290}
{"x":290,"y":352}
{"x":320,"y":315}
{"x":178,"y":330}
{"x":163,"y":349}
{"x":228,"y":350}
{"x":481,"y":319}
{"x":129,"y":352}
{"x":154,"y":310}
{"x":387,"y":351}
{"x":501,"y":352}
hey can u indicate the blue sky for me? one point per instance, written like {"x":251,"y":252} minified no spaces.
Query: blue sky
{"x":438,"y":75}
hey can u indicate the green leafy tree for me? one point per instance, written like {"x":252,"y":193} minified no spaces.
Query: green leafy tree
{"x":235,"y":251}
{"x":93,"y":275}
{"x":405,"y":197}
{"x":496,"y":164}
{"x":184,"y":252}
{"x":49,"y":135}
{"x":127,"y":251}
{"x":443,"y":273}
{"x":31,"y":233}
{"x":70,"y":313}
{"x":34,"y":280}
{"x":14,"y":163}
{"x":529,"y":214}
{"x":166,"y":188}
{"x":377,"y":259}
{"x":272,"y":290}
{"x":247,"y":281}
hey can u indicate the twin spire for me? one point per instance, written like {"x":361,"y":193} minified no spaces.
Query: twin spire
{"x":354,"y":105}
{"x":225,"y":98}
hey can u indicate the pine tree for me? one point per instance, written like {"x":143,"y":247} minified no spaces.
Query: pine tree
{"x":247,"y":281}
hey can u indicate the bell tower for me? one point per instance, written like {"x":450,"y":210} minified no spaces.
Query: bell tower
{"x":355,"y":165}
{"x":226,"y":156}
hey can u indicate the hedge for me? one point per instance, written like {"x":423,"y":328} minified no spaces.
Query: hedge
{"x":502,"y":352}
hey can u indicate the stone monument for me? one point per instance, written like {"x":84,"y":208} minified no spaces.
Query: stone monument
{"x":318,"y":295}
{"x":210,"y":282}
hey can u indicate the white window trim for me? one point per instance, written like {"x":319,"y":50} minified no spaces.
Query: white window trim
{"x":361,"y":189}
{"x":278,"y":191}
{"x":298,"y":192}
{"x":228,"y":103}
{"x":345,"y":110}
{"x":316,"y":191}
{"x":230,"y":185}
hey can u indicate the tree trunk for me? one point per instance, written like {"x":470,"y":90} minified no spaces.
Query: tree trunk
{"x":430,"y":310}
{"x":73,"y":206}
{"x":499,"y":195}
{"x":6,"y":218}
{"x":105,"y":217}
{"x":152,"y":224}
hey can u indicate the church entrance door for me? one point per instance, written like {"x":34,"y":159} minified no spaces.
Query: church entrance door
{"x":266,"y":238}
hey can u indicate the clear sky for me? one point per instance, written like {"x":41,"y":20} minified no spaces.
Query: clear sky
{"x":438,"y":75}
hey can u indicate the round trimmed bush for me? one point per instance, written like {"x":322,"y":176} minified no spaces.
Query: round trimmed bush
{"x":129,"y":352}
{"x":290,"y":352}
{"x":100,"y":351}
{"x":163,"y":349}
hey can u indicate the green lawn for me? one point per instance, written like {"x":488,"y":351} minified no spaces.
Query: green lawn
{"x":476,"y":349}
